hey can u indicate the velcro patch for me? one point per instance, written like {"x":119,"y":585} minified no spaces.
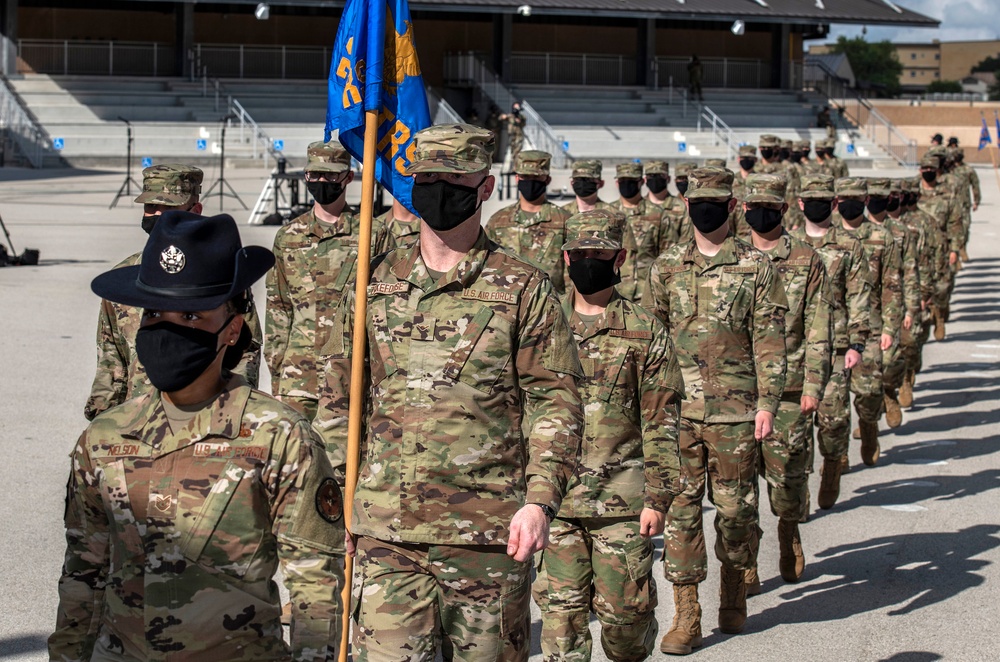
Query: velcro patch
{"x":119,"y":450}
{"x":625,"y":333}
{"x":675,"y":270}
{"x":752,"y":269}
{"x":802,"y":262}
{"x":489,"y":295}
{"x":329,"y":502}
{"x":387,"y":288}
{"x":207,"y":449}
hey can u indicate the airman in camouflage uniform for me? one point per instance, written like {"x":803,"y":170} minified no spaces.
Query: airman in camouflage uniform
{"x":835,"y":165}
{"x":600,"y":553}
{"x":849,"y":289}
{"x":882,"y":192}
{"x":586,"y":179}
{"x":658,"y":182}
{"x":533,"y":227}
{"x":937,"y":202}
{"x":715,"y":163}
{"x":515,"y":121}
{"x":401,"y":224}
{"x":886,"y":309}
{"x":785,"y":452}
{"x":316,"y":261}
{"x":179,"y":508}
{"x":120,"y":376}
{"x":725,"y":307}
{"x":472,"y":432}
{"x":650,"y":229}
{"x":685,"y":231}
{"x":967,"y":177}
{"x":748,"y":165}
{"x":771,"y":148}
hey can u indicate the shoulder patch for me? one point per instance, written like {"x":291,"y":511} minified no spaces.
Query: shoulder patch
{"x":387,"y":288}
{"x":627,"y":333}
{"x":489,"y":295}
{"x":329,"y":502}
{"x":752,"y":269}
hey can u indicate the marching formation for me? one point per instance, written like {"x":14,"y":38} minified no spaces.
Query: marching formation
{"x":546,"y":391}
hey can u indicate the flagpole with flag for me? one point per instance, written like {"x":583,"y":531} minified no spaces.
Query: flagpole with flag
{"x":376,"y":102}
{"x":996,"y":146}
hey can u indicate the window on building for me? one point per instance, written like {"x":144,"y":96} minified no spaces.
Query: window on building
{"x":937,"y":56}
{"x":913,"y":74}
{"x":913,"y":56}
{"x":937,"y":74}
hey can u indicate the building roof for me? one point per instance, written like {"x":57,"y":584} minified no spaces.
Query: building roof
{"x":836,"y":63}
{"x":810,"y":12}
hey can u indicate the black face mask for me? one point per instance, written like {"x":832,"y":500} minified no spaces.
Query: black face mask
{"x":325,"y":193}
{"x":784,"y":154}
{"x":584,"y":188}
{"x":763,"y":219}
{"x":174,"y":355}
{"x":877,"y":205}
{"x":682,"y":186}
{"x":590,"y":275}
{"x":894,"y":204}
{"x":629,"y":188}
{"x":795,"y":157}
{"x":149,"y":221}
{"x":828,"y":153}
{"x":851,"y":209}
{"x":708,"y":216}
{"x":656,"y":184}
{"x":444,"y":205}
{"x":909,"y":199}
{"x":531,"y":189}
{"x":928,"y":175}
{"x":747,"y":163}
{"x":766,"y":153}
{"x":817,"y":211}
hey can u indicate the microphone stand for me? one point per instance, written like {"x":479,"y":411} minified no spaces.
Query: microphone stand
{"x":126,"y":187}
{"x":221,"y":182}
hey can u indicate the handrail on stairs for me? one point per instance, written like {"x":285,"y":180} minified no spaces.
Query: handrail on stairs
{"x":720,"y":131}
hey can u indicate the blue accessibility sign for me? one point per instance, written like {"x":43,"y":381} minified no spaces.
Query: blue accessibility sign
{"x":850,"y":148}
{"x":682,"y":147}
{"x":279,"y":145}
{"x":58,"y":143}
{"x":202,"y":144}
{"x":565,"y":145}
{"x":146,"y":162}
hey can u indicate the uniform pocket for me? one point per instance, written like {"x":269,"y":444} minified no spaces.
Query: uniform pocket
{"x":640,"y":589}
{"x":381,"y":357}
{"x":482,"y":351}
{"x":114,"y":484}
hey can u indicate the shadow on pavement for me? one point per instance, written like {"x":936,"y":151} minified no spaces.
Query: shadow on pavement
{"x":28,"y":643}
{"x":939,"y":487}
{"x":907,"y":572}
{"x":913,"y":656}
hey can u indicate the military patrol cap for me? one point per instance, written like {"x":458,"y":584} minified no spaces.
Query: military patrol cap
{"x":901,"y":185}
{"x":880,"y":187}
{"x":748,"y":150}
{"x":631,"y":170}
{"x":169,"y":184}
{"x":327,"y":157}
{"x":957,"y":152}
{"x":590,"y":169}
{"x":716,"y":163}
{"x":657,"y":168}
{"x":684,"y":169}
{"x":458,"y":148}
{"x":768,"y":189}
{"x":939,"y":152}
{"x":787,"y":144}
{"x":532,"y":162}
{"x":826,"y":143}
{"x":803,"y":146}
{"x":953,"y":141}
{"x":596,"y":229}
{"x":767,"y":140}
{"x":915,"y":185}
{"x":817,"y":187}
{"x":710,"y":182}
{"x":930,"y":161}
{"x":852,"y":187}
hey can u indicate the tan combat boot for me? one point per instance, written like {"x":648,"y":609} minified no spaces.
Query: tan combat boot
{"x":857,"y":432}
{"x":939,"y":320}
{"x":732,"y":601}
{"x":685,"y":633}
{"x":752,"y":580}
{"x":791,"y":561}
{"x":845,"y":465}
{"x":893,"y":414}
{"x":906,"y":390}
{"x":829,"y":486}
{"x":870,"y":450}
{"x":962,"y":254}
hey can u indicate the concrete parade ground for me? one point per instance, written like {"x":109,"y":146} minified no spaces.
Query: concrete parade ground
{"x":903,"y":569}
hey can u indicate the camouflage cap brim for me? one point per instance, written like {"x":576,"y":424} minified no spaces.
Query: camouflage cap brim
{"x":817,"y":195}
{"x":161,"y":198}
{"x":714,"y":193}
{"x":592,"y":243}
{"x":765,"y":198}
{"x":327,"y":167}
{"x":458,"y":167}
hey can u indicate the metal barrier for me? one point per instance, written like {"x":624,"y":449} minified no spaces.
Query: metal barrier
{"x":721,"y":132}
{"x":100,"y":58}
{"x":467,"y":69}
{"x":441,"y":111}
{"x":715,"y":72}
{"x":295,"y":62}
{"x":15,"y":121}
{"x":572,"y":69}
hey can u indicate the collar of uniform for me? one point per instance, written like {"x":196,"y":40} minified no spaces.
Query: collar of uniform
{"x":413,"y":269}
{"x":221,"y":419}
{"x":640,"y":209}
{"x":526,"y":219}
{"x":613,"y":316}
{"x":783,"y":249}
{"x":726,"y":254}
{"x":323,"y":230}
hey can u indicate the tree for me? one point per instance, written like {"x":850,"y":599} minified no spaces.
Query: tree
{"x":987,"y":64}
{"x":875,"y":65}
{"x":947,"y":86}
{"x":994,"y":90}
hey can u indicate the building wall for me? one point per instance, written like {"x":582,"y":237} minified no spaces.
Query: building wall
{"x":713,"y":43}
{"x":958,"y":58}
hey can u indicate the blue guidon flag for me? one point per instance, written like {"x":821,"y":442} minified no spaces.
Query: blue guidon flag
{"x":984,"y":136}
{"x":375,"y":67}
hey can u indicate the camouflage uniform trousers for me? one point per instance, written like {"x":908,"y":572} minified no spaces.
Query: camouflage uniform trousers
{"x":724,"y":455}
{"x":833,"y":418}
{"x":783,"y":458}
{"x":409,"y":600}
{"x":599,"y":564}
{"x":899,"y":358}
{"x":866,"y":382}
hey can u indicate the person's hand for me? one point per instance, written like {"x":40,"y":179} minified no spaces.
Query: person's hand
{"x":885,"y":342}
{"x":808,"y":404}
{"x":349,"y":541}
{"x":908,"y":322}
{"x":851,"y":359}
{"x":975,"y":206}
{"x":529,"y":533}
{"x":952,"y":258}
{"x":763,"y":425}
{"x":923,"y":305}
{"x":651,"y":522}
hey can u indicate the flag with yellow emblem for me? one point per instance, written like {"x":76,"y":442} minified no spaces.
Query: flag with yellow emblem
{"x":375,"y":67}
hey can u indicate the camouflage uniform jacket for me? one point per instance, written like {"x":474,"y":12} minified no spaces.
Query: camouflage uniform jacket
{"x":885,"y":270}
{"x":402,"y":232}
{"x":968,"y":178}
{"x":932,"y":255}
{"x":726,"y":314}
{"x":315,"y":263}
{"x":808,"y":330}
{"x":848,"y":284}
{"x":906,"y":244}
{"x":940,"y":205}
{"x":836,"y":167}
{"x":674,"y":212}
{"x":631,"y":391}
{"x":573,"y":206}
{"x":173,"y":538}
{"x":472,"y":397}
{"x":740,"y":184}
{"x":120,"y":376}
{"x":538,"y":238}
{"x":649,"y":230}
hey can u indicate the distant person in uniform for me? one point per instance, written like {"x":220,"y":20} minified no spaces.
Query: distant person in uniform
{"x":694,"y":78}
{"x":515,"y":129}
{"x":825,"y":121}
